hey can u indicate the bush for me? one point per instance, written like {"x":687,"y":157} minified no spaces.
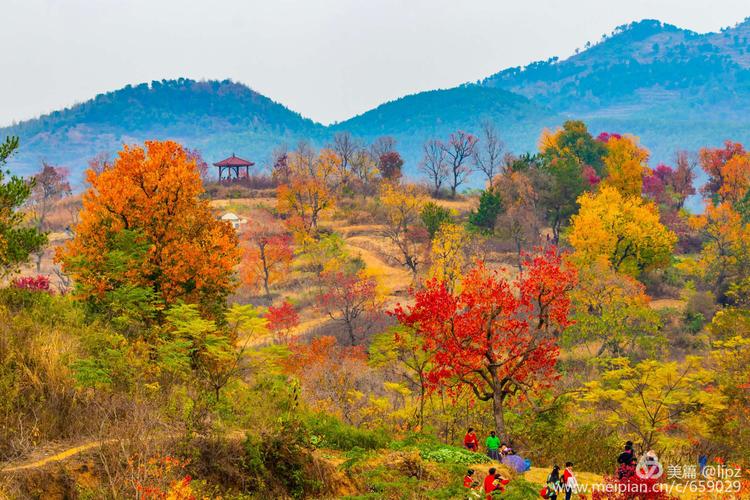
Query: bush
{"x":433,"y":216}
{"x":453,"y":455}
{"x":490,"y":206}
{"x":337,"y":435}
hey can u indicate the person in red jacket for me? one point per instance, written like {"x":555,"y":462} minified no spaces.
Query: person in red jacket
{"x":489,"y":483}
{"x":470,"y":440}
{"x":469,"y":481}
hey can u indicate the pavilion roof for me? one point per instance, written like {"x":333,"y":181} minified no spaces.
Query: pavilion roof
{"x":234,"y":161}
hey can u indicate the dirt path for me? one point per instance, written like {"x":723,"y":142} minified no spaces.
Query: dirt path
{"x":56,"y":457}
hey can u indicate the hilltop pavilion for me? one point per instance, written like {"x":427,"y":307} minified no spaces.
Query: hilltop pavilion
{"x":233,"y":167}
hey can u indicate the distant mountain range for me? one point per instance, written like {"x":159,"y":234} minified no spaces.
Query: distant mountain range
{"x":674,"y":88}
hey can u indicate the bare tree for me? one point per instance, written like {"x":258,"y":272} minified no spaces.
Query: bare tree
{"x":458,"y":151}
{"x":346,"y":148}
{"x":434,"y":165}
{"x":382,"y":145}
{"x":488,"y":155}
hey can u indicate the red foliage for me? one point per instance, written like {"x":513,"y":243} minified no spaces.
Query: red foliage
{"x":390,"y":164}
{"x":32,"y":283}
{"x":352,"y":299}
{"x":713,"y":160}
{"x":282,"y":319}
{"x":606,"y":136}
{"x":590,"y":175}
{"x":496,"y":337}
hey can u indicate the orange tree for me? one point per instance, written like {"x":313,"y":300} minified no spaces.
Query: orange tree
{"x":497,"y":338}
{"x":147,"y":239}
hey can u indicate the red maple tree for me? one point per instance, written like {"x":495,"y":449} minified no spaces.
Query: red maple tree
{"x":497,"y":337}
{"x":282,"y":319}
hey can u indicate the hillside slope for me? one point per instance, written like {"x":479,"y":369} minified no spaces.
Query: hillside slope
{"x":217,"y":117}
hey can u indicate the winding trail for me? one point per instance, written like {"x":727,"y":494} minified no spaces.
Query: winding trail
{"x":56,"y":457}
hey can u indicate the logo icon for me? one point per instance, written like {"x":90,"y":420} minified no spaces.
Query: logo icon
{"x":649,"y":467}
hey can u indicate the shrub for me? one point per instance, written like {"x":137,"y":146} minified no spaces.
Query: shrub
{"x":32,"y":283}
{"x":337,"y":435}
{"x":433,"y":216}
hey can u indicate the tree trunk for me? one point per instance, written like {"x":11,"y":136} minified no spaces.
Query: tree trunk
{"x":497,"y":407}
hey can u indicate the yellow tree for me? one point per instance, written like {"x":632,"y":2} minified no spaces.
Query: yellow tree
{"x":725,"y":256}
{"x":626,"y":230}
{"x":308,"y":193}
{"x":147,"y":236}
{"x":402,"y":206}
{"x":625,"y":164}
{"x":448,"y":254}
{"x":659,"y":404}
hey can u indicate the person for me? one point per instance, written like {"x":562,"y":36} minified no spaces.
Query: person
{"x":469,"y":481}
{"x":626,"y":462}
{"x":470,"y":440}
{"x":500,"y":482}
{"x":554,"y":484}
{"x":489,"y":483}
{"x":570,"y":481}
{"x":493,"y":446}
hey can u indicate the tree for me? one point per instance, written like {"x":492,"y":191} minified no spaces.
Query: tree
{"x":382,"y":145}
{"x":645,"y":401}
{"x":268,"y":252}
{"x":351,"y":298}
{"x":50,"y":185}
{"x":389,"y":165}
{"x":625,"y":230}
{"x":17,"y":240}
{"x":625,"y":164}
{"x":572,"y":161}
{"x":714,"y":163}
{"x":490,"y":206}
{"x":308,"y":194}
{"x":459,"y":150}
{"x":333,"y":378}
{"x":402,"y":206}
{"x":282,"y":319}
{"x":498,"y":338}
{"x":200,"y":347}
{"x":146,"y":227}
{"x":433,"y":216}
{"x":612,"y":311}
{"x":488,"y":155}
{"x":434,"y":165}
{"x":364,"y":169}
{"x":448,"y":254}
{"x":725,"y":255}
{"x":405,"y":347}
{"x":520,"y":221}
{"x":346,"y":148}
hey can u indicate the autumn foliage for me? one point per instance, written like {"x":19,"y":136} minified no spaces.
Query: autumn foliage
{"x":144,"y":225}
{"x":496,"y":337}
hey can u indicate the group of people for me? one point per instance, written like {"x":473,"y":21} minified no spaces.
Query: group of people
{"x":496,"y":449}
{"x":493,"y":482}
{"x":558,"y":483}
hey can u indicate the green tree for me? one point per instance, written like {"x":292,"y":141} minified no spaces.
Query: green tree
{"x":17,"y":240}
{"x":433,"y":216}
{"x":490,"y":206}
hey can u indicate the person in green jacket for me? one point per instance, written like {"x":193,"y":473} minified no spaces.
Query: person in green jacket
{"x":493,"y":446}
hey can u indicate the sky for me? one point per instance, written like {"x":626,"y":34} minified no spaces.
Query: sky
{"x":327,"y":59}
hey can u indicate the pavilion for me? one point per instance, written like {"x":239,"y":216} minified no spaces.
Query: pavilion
{"x":233,"y":166}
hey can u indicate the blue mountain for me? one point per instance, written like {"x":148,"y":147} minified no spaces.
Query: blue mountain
{"x":674,"y":88}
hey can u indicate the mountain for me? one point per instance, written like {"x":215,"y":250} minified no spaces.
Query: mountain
{"x":216,"y":117}
{"x":674,"y":88}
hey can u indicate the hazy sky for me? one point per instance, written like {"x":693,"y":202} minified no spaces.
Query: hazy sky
{"x":327,"y":59}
